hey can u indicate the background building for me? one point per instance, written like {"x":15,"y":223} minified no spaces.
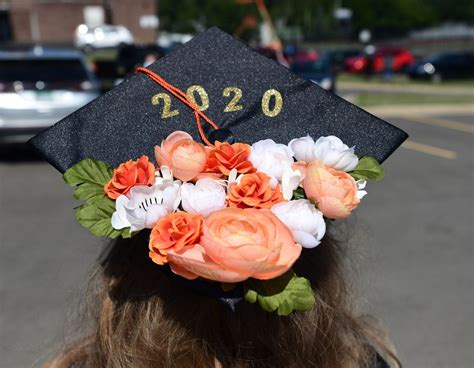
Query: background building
{"x":56,"y":20}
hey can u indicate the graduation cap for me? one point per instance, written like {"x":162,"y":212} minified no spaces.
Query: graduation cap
{"x":249,"y":96}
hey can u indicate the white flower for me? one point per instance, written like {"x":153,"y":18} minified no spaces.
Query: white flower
{"x":329,"y":150}
{"x":361,"y":185}
{"x":163,"y":175}
{"x":290,"y":180}
{"x":304,"y":220}
{"x":271,"y":158}
{"x":303,"y":148}
{"x":204,"y":197}
{"x":143,"y":206}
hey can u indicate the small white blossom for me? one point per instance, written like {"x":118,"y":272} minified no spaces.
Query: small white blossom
{"x":163,"y":175}
{"x":290,"y":180}
{"x":361,"y":185}
{"x":303,"y":148}
{"x":271,"y":158}
{"x":204,"y":197}
{"x":330,"y":150}
{"x":143,"y":206}
{"x":304,"y":220}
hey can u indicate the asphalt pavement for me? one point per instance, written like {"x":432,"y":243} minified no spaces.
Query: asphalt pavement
{"x":413,"y":242}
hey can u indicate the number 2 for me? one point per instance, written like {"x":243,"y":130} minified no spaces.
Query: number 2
{"x":232,"y":105}
{"x":167,"y":112}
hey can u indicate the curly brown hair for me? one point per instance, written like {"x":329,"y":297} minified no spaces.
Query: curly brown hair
{"x":144,"y":318}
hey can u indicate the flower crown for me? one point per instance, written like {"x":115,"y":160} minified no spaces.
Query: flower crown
{"x":228,"y":213}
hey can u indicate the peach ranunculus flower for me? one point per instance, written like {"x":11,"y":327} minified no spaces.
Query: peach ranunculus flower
{"x":185,"y":157}
{"x":130,"y":174}
{"x":334,"y":191}
{"x":237,"y":244}
{"x":254,"y":191}
{"x":224,"y":157}
{"x":174,"y":232}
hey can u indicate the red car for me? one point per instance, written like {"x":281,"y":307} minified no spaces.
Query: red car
{"x":296,"y":55}
{"x":398,"y":59}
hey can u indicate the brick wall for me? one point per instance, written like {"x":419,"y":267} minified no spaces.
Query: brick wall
{"x":128,"y":12}
{"x":56,"y":20}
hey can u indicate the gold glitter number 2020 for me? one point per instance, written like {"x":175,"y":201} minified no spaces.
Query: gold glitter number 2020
{"x":268,"y":108}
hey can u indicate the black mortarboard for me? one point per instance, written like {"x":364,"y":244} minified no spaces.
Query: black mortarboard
{"x":250,"y":95}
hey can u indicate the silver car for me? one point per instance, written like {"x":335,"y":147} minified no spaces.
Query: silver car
{"x":39,"y":87}
{"x":89,"y":39}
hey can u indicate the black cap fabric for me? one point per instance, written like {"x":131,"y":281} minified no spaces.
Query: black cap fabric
{"x":247,"y":94}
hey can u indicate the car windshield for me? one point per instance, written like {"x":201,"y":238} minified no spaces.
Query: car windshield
{"x":46,"y":70}
{"x":318,"y":66}
{"x":437,"y":57}
{"x":108,"y":29}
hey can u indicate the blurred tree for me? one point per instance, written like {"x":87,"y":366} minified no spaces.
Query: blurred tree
{"x":316,"y":17}
{"x":391,"y":17}
{"x":191,"y":15}
{"x":459,"y":10}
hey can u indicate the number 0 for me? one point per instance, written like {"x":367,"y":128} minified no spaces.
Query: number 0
{"x":202,"y":94}
{"x":266,"y":103}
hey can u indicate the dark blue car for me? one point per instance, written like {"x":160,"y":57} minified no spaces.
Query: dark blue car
{"x":319,"y":72}
{"x":445,"y":65}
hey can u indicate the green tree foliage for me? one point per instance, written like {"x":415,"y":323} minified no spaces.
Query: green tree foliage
{"x":315,"y":17}
{"x":191,"y":15}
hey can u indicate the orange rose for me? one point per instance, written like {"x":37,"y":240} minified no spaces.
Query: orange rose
{"x":254,"y":191}
{"x":174,"y":232}
{"x":334,"y":191}
{"x":182,"y":155}
{"x":224,"y":157}
{"x":237,"y":244}
{"x":130,"y":174}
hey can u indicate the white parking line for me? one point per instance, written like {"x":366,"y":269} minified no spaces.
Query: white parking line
{"x":430,"y":150}
{"x":443,"y":123}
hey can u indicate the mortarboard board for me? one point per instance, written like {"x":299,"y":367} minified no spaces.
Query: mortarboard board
{"x":244,"y":92}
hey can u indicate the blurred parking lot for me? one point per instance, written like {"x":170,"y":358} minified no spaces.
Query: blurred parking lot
{"x":414,"y":237}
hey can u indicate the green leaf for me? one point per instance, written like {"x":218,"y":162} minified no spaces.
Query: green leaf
{"x":284,"y":294}
{"x":299,"y":194}
{"x":96,"y":216}
{"x":367,"y":168}
{"x":88,"y":177}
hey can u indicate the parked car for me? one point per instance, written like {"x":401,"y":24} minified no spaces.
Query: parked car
{"x":336,"y":58}
{"x":111,"y":72}
{"x":104,"y":36}
{"x":400,"y":60}
{"x":318,"y":71}
{"x":131,"y":56}
{"x":444,"y":65}
{"x":40,"y":86}
{"x":295,"y":54}
{"x":169,"y":40}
